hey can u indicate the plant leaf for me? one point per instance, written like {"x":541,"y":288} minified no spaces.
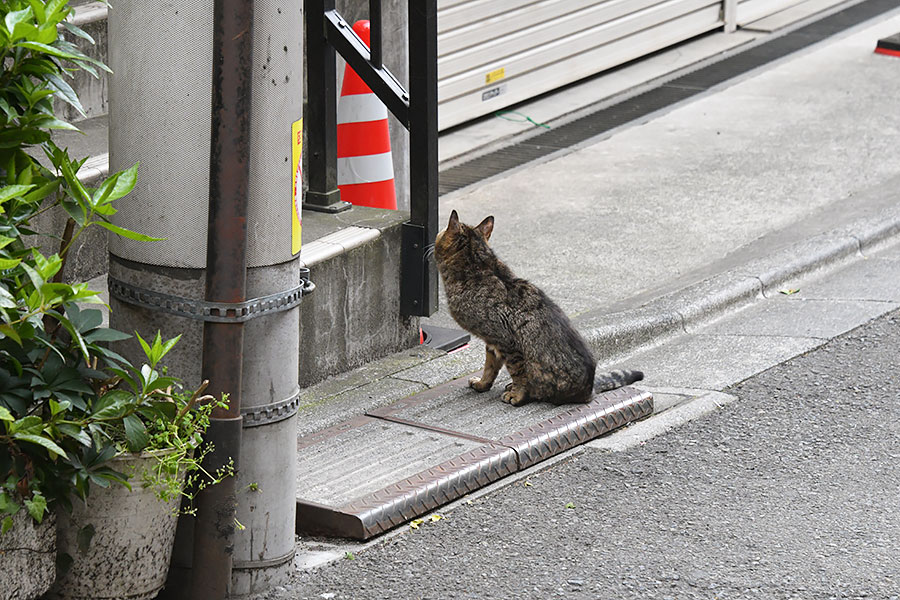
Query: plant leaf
{"x":76,"y":433}
{"x":38,"y":8}
{"x":51,"y":50}
{"x":53,"y":123}
{"x":47,"y":443}
{"x":131,"y":235}
{"x":135,"y":433}
{"x":105,"y":334}
{"x":13,"y":191}
{"x":84,"y":537}
{"x":65,"y":91}
{"x":78,"y":31}
{"x":10,"y":332}
{"x":36,"y":506}
{"x":123,"y":184}
{"x":9,"y":263}
{"x":13,"y":18}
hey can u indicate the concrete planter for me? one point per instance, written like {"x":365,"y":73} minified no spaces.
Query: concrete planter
{"x":27,"y":557}
{"x":129,"y":554}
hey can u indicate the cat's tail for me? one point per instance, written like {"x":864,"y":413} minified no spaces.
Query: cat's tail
{"x":616,"y":379}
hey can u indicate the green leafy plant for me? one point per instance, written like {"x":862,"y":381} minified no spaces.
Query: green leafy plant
{"x":68,"y":403}
{"x":159,"y":417}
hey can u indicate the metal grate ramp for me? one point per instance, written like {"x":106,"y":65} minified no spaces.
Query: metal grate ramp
{"x":376,"y":471}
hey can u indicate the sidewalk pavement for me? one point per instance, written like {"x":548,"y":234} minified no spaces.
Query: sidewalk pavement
{"x":650,"y":234}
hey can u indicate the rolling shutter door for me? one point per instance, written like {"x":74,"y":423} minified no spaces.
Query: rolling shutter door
{"x":752,"y":10}
{"x":494,"y":53}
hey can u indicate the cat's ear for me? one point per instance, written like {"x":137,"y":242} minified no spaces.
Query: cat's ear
{"x":486,"y":227}
{"x":453,"y":225}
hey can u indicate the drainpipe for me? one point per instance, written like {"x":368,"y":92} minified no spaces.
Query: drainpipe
{"x":226,"y":274}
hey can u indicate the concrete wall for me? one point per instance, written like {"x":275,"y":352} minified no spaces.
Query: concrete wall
{"x":353,"y":317}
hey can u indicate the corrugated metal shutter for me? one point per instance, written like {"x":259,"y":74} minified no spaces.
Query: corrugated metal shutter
{"x":494,"y":53}
{"x":751,"y":10}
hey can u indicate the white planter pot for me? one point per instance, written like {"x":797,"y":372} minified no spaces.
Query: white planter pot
{"x":129,"y":554}
{"x":27,"y":557}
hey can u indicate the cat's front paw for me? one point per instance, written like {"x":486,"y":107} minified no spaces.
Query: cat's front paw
{"x":478,"y":385}
{"x":514,"y":396}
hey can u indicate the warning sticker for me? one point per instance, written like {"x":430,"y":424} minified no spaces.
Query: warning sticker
{"x":297,"y":195}
{"x":495,"y":75}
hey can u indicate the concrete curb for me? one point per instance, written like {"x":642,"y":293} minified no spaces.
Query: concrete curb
{"x":614,"y":335}
{"x":660,"y":423}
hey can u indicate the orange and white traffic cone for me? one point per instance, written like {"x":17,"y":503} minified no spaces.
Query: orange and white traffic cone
{"x":365,"y":170}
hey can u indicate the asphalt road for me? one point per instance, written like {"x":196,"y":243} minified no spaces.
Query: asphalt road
{"x":791,"y":491}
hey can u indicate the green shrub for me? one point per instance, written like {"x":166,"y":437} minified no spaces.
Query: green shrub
{"x":67,"y":402}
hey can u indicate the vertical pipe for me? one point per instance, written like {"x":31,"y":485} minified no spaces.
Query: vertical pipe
{"x":226,"y":268}
{"x":375,"y":33}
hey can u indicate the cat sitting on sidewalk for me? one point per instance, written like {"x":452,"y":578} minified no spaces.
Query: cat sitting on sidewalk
{"x":522,"y":328}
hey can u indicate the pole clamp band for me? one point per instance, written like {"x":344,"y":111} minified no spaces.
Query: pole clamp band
{"x":266,"y":414}
{"x":215,"y":312}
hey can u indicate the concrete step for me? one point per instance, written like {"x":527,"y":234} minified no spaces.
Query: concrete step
{"x":93,"y":92}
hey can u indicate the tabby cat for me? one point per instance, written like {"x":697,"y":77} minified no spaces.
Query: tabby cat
{"x":522,"y":328}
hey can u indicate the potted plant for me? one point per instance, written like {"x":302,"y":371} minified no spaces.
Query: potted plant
{"x":73,"y":413}
{"x":118,"y":543}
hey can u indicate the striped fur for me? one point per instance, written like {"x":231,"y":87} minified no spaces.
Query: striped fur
{"x":615,"y":379}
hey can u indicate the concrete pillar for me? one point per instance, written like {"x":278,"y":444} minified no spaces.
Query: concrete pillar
{"x":160,"y":116}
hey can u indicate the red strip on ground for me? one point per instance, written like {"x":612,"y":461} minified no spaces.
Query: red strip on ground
{"x":887,"y":51}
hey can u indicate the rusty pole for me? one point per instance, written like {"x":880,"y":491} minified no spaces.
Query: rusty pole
{"x":226,"y":266}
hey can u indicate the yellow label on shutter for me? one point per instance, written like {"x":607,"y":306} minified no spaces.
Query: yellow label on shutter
{"x":495,"y":75}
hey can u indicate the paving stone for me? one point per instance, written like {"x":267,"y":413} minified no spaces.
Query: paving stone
{"x":870,"y":279}
{"x":714,"y":361}
{"x":796,"y":316}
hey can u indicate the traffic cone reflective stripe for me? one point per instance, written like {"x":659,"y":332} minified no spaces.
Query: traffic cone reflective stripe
{"x":359,"y":139}
{"x":356,"y":108}
{"x":372,"y":168}
{"x":365,"y":170}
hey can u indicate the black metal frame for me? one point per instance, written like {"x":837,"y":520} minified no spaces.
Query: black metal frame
{"x":328,"y":32}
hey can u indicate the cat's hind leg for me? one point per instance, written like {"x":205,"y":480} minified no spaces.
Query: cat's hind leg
{"x":516,"y":392}
{"x":493,"y":362}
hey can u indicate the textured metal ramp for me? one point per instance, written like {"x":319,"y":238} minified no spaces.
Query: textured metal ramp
{"x":377,"y":471}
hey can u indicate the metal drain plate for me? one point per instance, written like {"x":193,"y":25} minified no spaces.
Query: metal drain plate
{"x":374,"y":472}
